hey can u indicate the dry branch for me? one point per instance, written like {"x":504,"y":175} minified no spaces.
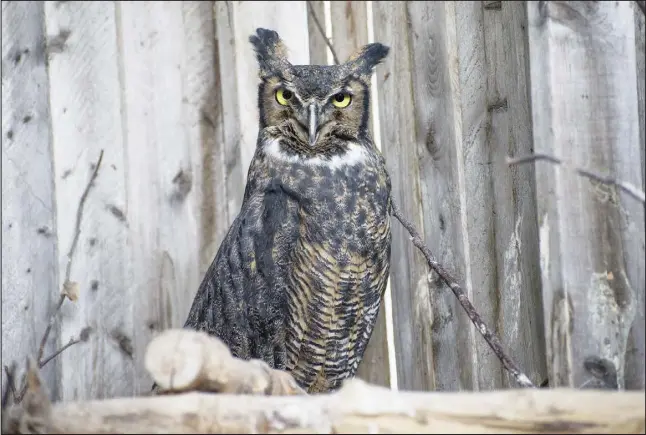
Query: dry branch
{"x":489,"y":336}
{"x":604,"y":179}
{"x":356,"y":408}
{"x":187,"y":360}
{"x":69,"y":291}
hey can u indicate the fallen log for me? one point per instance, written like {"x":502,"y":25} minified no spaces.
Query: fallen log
{"x":356,"y":408}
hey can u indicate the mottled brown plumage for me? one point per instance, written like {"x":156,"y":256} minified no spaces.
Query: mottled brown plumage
{"x":299,"y":278}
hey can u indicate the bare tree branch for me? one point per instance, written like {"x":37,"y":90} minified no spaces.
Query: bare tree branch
{"x":322,"y":30}
{"x":69,"y":291}
{"x":631,"y":190}
{"x":72,"y":342}
{"x":491,"y":339}
{"x":10,"y":386}
{"x":70,"y":257}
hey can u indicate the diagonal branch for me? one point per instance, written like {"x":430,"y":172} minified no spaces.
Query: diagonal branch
{"x":491,"y":339}
{"x":69,"y":291}
{"x":630,"y":189}
{"x":70,"y":257}
{"x":322,"y":30}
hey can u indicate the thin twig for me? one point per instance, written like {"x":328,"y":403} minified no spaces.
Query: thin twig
{"x":50,"y":324}
{"x":630,"y":189}
{"x":79,"y":217}
{"x":10,"y":386}
{"x":491,"y":339}
{"x":322,"y":31}
{"x":72,"y":342}
{"x":70,"y":256}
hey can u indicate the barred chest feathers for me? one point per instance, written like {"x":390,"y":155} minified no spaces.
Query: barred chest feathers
{"x":338,"y":256}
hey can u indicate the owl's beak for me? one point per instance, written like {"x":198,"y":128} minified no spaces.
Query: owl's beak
{"x":313,"y":123}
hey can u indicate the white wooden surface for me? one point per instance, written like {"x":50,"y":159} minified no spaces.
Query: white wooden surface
{"x":160,"y":78}
{"x":87,"y":116}
{"x":29,"y":263}
{"x":591,"y":236}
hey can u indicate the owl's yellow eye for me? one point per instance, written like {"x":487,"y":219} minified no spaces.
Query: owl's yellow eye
{"x":283,"y":96}
{"x":341,"y":100}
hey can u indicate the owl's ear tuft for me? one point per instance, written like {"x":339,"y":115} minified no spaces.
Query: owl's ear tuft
{"x":364,"y":61}
{"x":271,"y":52}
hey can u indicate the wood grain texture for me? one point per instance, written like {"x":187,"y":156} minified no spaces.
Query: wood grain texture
{"x":349,"y":33}
{"x":408,"y":273}
{"x":289,"y":19}
{"x":349,"y":27}
{"x":228,"y":158}
{"x":318,"y":46}
{"x":517,"y":288}
{"x":640,"y":48}
{"x":591,"y":236}
{"x":203,"y":123}
{"x":435,"y":77}
{"x":474,"y":174}
{"x":29,"y":256}
{"x":86,"y":116}
{"x":165,"y":87}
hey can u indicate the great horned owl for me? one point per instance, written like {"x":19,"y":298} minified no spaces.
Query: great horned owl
{"x":299,"y":277}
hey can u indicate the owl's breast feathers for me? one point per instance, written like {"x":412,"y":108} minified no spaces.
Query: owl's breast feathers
{"x":299,"y":277}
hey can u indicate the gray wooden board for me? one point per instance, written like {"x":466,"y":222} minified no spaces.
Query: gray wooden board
{"x":591,"y":235}
{"x":29,"y":255}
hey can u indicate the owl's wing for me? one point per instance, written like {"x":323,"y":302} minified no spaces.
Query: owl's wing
{"x":241,"y":299}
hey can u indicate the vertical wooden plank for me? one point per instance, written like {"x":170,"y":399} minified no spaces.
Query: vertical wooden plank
{"x":203,"y":120}
{"x":249,"y":15}
{"x":318,"y":46}
{"x":86,"y":111}
{"x":349,"y":33}
{"x":591,"y":235}
{"x":640,"y":48}
{"x":635,"y":376}
{"x":229,"y":156}
{"x":450,"y":82}
{"x":163,"y":144}
{"x":471,"y":110}
{"x":519,"y":319}
{"x":438,"y":125}
{"x":29,"y":256}
{"x":408,"y":276}
{"x":349,"y":27}
{"x":476,"y":190}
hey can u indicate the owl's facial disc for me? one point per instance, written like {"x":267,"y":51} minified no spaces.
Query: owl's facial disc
{"x":313,"y":118}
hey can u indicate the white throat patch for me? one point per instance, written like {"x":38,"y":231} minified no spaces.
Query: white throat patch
{"x":354,"y":155}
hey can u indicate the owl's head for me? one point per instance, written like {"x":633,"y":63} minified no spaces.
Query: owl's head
{"x":314,"y":110}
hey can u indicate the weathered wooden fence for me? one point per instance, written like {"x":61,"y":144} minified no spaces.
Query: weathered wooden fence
{"x":553,"y":261}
